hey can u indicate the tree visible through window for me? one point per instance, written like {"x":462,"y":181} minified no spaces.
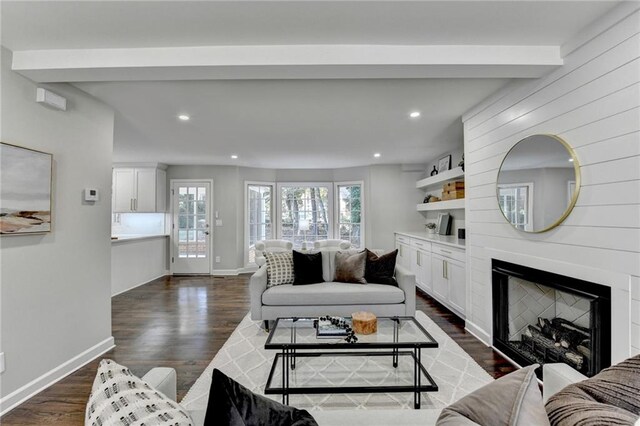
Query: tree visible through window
{"x":350,"y":213}
{"x":304,"y":213}
{"x":259,"y":226}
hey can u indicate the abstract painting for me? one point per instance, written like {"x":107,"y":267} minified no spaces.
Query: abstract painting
{"x":25,"y":190}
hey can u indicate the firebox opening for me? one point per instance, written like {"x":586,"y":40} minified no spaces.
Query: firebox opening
{"x":542,"y":317}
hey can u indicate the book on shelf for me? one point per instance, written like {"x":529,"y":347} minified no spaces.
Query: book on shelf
{"x":326,"y":330}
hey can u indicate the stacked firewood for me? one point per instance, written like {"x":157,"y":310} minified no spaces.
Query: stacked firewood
{"x":559,"y":340}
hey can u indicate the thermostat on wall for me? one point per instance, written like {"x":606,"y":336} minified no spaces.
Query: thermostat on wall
{"x":90,"y":194}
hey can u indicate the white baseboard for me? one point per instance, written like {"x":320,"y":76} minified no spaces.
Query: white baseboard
{"x":226,"y":272}
{"x":479,"y":333}
{"x":37,"y":385}
{"x":164,"y":274}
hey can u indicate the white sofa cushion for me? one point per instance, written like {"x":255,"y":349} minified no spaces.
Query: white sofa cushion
{"x":332,"y":293}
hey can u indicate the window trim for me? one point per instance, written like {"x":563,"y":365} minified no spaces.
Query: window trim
{"x":336,"y":209}
{"x":530,"y":188}
{"x":280,"y":185}
{"x":247,"y":183}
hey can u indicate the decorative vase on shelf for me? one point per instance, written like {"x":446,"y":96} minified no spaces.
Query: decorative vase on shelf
{"x":434,"y":171}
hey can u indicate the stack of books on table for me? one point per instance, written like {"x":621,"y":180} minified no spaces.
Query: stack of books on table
{"x":326,"y":330}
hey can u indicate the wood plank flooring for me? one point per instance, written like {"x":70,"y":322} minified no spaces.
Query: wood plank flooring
{"x":182,"y":322}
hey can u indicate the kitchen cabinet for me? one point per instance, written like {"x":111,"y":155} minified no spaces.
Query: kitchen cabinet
{"x":139,"y":190}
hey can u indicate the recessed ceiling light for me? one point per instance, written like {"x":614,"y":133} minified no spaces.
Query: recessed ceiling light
{"x":415,"y":114}
{"x":235,"y":157}
{"x":184,"y":117}
{"x":571,"y":160}
{"x":377,"y":155}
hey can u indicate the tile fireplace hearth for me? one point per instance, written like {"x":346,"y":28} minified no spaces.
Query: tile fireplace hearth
{"x":541,"y":317}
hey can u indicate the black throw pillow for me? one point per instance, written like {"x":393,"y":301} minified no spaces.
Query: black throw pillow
{"x":380,"y":269}
{"x":231,"y":404}
{"x":307,"y":268}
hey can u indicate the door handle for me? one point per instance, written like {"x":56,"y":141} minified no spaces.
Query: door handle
{"x":418,"y":258}
{"x":135,"y":204}
{"x":446,"y":269}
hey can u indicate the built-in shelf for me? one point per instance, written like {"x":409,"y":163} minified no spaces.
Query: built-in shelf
{"x":442,"y":205}
{"x":440,"y":178}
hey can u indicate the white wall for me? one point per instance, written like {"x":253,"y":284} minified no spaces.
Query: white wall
{"x":137,"y":261}
{"x":390,"y":201}
{"x":593,"y":103}
{"x":55,"y":288}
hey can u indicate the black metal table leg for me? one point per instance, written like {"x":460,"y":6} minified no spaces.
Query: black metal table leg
{"x":284,"y":380}
{"x":293,"y":351}
{"x":417,"y":379}
{"x":395,"y":340}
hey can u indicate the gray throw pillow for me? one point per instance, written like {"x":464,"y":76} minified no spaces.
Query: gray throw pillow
{"x":350,"y":267}
{"x":512,"y":400}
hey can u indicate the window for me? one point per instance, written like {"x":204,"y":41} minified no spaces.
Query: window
{"x":516,"y":202}
{"x":349,"y":217}
{"x":259,"y":222}
{"x":304,"y":212}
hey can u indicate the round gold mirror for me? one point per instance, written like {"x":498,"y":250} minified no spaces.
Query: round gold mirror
{"x":538,"y":183}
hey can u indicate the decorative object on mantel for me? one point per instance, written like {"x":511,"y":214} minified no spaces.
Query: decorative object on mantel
{"x":453,"y":190}
{"x":364,"y":322}
{"x":461,"y":233}
{"x":26,"y":190}
{"x":444,"y":163}
{"x":461,"y":163}
{"x":520,"y":187}
{"x":431,"y":228}
{"x":434,"y":171}
{"x":431,"y":199}
{"x":331,"y":327}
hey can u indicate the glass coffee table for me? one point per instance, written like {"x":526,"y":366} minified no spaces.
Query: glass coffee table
{"x":383,"y":362}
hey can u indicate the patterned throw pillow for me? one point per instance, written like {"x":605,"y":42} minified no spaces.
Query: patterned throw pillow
{"x":120,"y":398}
{"x":279,"y":268}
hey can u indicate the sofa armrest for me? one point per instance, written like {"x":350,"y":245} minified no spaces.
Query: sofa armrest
{"x":257,"y":286}
{"x":557,"y":377}
{"x":407,"y":283}
{"x":163,"y":379}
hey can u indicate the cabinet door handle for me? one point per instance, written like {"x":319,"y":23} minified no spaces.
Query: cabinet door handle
{"x":400,"y":250}
{"x":135,"y":203}
{"x":418,"y":258}
{"x":445,"y":251}
{"x":443,"y":269}
{"x":446,"y":269}
{"x":131,"y":204}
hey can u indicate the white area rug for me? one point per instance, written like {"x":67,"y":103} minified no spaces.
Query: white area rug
{"x":244,"y":359}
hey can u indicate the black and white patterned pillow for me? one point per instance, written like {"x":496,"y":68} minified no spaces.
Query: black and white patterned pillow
{"x":279,"y":268}
{"x":120,"y":398}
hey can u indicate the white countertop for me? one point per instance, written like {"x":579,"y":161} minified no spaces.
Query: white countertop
{"x":130,"y":237}
{"x":447,"y":240}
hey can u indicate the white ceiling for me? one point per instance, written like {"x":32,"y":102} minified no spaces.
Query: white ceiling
{"x":295,"y":123}
{"x":289,"y":124}
{"x":115,"y":24}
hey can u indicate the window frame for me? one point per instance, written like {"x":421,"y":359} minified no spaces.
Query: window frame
{"x":530,"y":187}
{"x":336,"y":209}
{"x":248,"y":183}
{"x":330,"y":213}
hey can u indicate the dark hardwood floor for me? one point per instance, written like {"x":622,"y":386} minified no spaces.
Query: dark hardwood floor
{"x":181,"y":322}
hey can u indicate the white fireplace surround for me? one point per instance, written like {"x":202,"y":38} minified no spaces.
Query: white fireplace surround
{"x":620,"y":295}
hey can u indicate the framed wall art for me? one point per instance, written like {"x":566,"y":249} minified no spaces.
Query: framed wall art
{"x":25,"y":190}
{"x":444,"y":164}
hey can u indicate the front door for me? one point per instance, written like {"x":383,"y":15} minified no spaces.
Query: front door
{"x":191,"y":234}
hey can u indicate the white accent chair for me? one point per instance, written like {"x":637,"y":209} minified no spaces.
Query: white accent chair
{"x":331,"y":245}
{"x":270,"y":246}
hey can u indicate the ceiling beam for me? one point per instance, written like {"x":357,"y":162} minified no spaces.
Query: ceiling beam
{"x":286,"y":62}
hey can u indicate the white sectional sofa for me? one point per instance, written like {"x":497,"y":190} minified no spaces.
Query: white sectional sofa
{"x":331,"y":298}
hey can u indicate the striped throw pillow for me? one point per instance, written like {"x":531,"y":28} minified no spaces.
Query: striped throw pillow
{"x":279,"y":268}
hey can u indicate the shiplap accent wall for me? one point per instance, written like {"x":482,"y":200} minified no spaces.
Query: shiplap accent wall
{"x":592,"y":101}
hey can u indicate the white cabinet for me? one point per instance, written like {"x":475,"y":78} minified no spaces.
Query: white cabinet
{"x":439,"y":268}
{"x":423,"y":270}
{"x":139,"y":190}
{"x":449,"y":282}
